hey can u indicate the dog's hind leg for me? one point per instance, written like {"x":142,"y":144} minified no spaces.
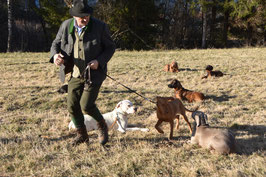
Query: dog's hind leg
{"x":157,"y":126}
{"x":177,"y":122}
{"x":171,"y":130}
{"x":186,"y":119}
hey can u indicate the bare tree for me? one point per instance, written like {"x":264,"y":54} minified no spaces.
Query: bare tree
{"x":213,"y":22}
{"x":226,"y":26}
{"x":10,"y":25}
{"x":204,"y":29}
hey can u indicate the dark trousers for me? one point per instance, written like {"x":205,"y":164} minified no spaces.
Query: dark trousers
{"x":80,"y":101}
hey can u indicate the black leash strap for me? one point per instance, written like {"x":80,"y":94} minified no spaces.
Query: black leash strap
{"x":131,"y":89}
{"x":87,"y":77}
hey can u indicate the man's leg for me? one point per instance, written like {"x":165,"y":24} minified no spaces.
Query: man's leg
{"x":75,"y":89}
{"x":89,"y":107}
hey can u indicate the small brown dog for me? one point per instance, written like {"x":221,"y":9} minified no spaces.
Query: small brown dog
{"x":168,"y":109}
{"x":184,"y":94}
{"x":173,"y":67}
{"x":211,"y":73}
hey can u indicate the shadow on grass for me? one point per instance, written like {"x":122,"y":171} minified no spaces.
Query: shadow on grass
{"x":34,"y":88}
{"x":61,"y":138}
{"x":187,"y":69}
{"x":18,"y":140}
{"x":156,"y":142}
{"x":219,"y":98}
{"x":256,"y":143}
{"x":26,"y":63}
{"x":11,"y":140}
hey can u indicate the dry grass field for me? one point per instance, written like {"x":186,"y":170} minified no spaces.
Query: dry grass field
{"x":34,"y":135}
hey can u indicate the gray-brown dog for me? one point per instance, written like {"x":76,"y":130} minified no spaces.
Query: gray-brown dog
{"x":221,"y":141}
{"x":168,"y":109}
{"x":185,"y":94}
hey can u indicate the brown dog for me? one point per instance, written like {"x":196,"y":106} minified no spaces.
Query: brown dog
{"x":173,"y":67}
{"x":167,"y":68}
{"x":211,"y":73}
{"x":184,"y":94}
{"x":168,"y":109}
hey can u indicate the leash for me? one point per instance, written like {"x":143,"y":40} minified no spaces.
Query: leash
{"x":113,"y":124}
{"x":87,"y":77}
{"x":116,"y":120}
{"x":133,"y":91}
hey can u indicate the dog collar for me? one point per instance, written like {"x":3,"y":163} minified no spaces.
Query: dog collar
{"x":117,"y":119}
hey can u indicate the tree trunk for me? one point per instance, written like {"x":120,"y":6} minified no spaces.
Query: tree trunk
{"x":249,"y":34}
{"x":204,"y":29}
{"x":212,"y":25}
{"x":10,"y":25}
{"x":225,"y":31}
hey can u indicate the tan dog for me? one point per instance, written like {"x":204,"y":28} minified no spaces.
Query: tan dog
{"x":211,"y":73}
{"x":221,"y":141}
{"x":168,"y":109}
{"x":173,"y":67}
{"x":184,"y":94}
{"x":167,"y":68}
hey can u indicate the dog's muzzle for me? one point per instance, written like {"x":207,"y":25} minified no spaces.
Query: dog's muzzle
{"x":170,"y":86}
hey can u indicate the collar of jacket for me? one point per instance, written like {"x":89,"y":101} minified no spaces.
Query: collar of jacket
{"x":72,"y":27}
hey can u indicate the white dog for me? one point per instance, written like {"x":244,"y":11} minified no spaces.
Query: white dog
{"x":118,"y":116}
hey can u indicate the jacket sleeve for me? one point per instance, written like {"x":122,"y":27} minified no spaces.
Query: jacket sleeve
{"x":108,"y":47}
{"x":55,"y":48}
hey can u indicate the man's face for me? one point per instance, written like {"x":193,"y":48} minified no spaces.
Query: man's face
{"x":82,"y":21}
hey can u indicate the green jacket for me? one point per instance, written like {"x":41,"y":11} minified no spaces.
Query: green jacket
{"x":97,"y":42}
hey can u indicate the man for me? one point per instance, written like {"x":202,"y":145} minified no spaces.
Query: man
{"x":80,"y":42}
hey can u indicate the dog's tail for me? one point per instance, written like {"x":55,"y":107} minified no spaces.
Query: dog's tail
{"x":193,"y":110}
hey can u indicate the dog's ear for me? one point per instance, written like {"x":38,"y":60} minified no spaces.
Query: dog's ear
{"x":161,"y":106}
{"x":206,"y":119}
{"x":158,"y":98}
{"x":118,"y":105}
{"x":175,"y":81}
{"x":179,"y":85}
{"x":198,"y":122}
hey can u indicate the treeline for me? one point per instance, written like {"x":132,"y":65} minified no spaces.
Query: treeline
{"x":140,"y":24}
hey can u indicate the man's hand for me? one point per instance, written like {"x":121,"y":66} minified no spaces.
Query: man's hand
{"x":58,"y":59}
{"x":94,"y":64}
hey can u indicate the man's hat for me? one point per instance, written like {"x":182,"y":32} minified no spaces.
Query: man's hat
{"x":80,"y":8}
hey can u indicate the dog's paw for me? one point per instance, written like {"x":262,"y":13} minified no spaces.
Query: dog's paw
{"x":145,"y":129}
{"x":193,"y":140}
{"x":122,"y":131}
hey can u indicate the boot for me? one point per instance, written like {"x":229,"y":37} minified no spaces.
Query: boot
{"x":82,"y":137}
{"x":103,"y":132}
